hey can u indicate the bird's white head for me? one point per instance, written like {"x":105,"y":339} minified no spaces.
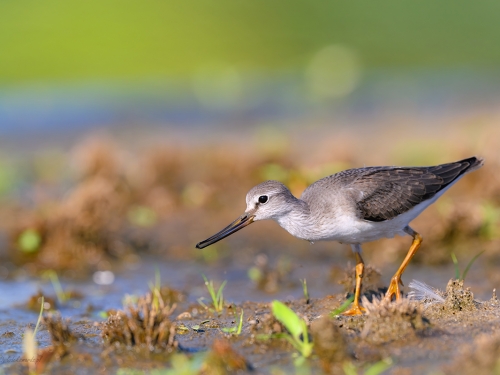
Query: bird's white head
{"x":268,"y":200}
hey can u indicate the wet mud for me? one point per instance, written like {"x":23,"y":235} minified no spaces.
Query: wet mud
{"x":157,"y":331}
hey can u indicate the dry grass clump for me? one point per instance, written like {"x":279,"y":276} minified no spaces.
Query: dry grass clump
{"x":480,"y":358}
{"x":157,"y":180}
{"x":392,"y":321}
{"x":329,"y":344}
{"x":88,"y":222}
{"x":223,"y":359}
{"x":85,"y":227}
{"x":145,"y":324}
{"x":97,"y":156}
{"x":60,"y":334}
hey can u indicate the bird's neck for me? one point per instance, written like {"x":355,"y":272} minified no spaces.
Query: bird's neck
{"x":298,"y":221}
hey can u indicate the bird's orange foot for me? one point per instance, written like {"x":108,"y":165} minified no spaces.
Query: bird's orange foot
{"x":393,"y":289}
{"x":355,"y":309}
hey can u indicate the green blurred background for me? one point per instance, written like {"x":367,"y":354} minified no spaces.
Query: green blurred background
{"x":60,"y":41}
{"x":74,"y":65}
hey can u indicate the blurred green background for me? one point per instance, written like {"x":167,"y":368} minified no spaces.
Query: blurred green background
{"x":79,"y":64}
{"x":61,"y":41}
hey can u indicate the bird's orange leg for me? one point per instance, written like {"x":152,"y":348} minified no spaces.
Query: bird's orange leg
{"x":396,"y":279}
{"x":356,"y":309}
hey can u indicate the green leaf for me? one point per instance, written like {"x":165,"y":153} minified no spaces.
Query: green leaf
{"x":339,"y":310}
{"x":39,"y":317}
{"x":349,"y":368}
{"x":240,"y":325}
{"x":455,"y":262}
{"x":379,"y":367}
{"x":288,"y":318}
{"x":466,"y":271}
{"x":29,"y":241}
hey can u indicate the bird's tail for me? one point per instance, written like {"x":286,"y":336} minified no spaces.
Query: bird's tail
{"x":474,"y":164}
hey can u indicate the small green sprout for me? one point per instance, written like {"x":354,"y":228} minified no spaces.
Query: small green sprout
{"x":298,"y":335}
{"x":217,"y":297}
{"x":235,"y":330}
{"x":373,"y":369}
{"x":30,"y":346}
{"x":339,"y":310}
{"x":39,"y":316}
{"x":199,"y":327}
{"x":467,"y":268}
{"x":306,"y":292}
{"x":155,"y":289}
{"x":62,"y":296}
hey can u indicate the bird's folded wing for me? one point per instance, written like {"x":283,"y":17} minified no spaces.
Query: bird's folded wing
{"x":385,"y":193}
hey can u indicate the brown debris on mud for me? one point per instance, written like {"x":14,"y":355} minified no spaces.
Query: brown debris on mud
{"x":458,"y":300}
{"x":401,"y":330}
{"x":147,"y":324}
{"x":330,"y":344}
{"x":60,"y":334}
{"x":388,"y":322}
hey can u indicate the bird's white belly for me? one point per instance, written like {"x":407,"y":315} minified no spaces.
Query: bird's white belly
{"x":352,"y":230}
{"x":347,"y":227}
{"x":358,"y":231}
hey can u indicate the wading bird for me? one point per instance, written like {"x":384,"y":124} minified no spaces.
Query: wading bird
{"x":353,"y":207}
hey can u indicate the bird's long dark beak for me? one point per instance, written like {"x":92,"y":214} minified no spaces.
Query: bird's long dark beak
{"x":239,"y":223}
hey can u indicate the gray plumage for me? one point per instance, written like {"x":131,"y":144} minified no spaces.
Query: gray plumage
{"x":352,"y":206}
{"x":386,"y":192}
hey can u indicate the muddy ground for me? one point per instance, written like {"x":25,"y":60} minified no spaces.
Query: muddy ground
{"x":459,"y":334}
{"x":95,"y":238}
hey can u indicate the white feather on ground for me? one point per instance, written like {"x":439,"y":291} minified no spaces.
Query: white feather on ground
{"x":424,"y":293}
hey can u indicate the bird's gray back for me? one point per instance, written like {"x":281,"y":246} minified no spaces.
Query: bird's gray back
{"x":382,"y":193}
{"x":334,"y":192}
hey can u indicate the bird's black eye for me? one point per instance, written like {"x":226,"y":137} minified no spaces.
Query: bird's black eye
{"x":263,"y":199}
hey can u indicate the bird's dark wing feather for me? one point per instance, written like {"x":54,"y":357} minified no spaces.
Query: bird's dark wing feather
{"x":386,"y":192}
